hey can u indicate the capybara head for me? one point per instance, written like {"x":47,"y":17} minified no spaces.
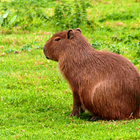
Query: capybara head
{"x":57,"y":44}
{"x":104,"y":83}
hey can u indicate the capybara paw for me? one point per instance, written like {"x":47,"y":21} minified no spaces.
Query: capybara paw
{"x":93,"y":119}
{"x":75,"y":113}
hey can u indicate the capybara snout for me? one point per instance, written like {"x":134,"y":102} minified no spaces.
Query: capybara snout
{"x":104,"y":83}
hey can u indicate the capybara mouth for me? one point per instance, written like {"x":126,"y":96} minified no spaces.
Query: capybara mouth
{"x":45,"y":53}
{"x":47,"y":57}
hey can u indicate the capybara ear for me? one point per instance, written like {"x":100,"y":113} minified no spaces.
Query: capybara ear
{"x":78,"y":29}
{"x":70,"y":34}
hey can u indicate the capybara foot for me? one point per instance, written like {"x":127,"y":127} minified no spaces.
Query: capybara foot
{"x":75,"y":113}
{"x":93,"y":119}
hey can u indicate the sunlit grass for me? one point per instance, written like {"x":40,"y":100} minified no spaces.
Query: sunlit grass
{"x":36,"y":101}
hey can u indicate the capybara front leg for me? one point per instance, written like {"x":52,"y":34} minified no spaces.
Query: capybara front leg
{"x":76,"y":105}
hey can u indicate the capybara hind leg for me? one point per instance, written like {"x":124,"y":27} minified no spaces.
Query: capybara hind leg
{"x":136,"y":115}
{"x":76,"y":105}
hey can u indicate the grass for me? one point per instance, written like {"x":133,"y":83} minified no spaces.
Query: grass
{"x":36,"y":101}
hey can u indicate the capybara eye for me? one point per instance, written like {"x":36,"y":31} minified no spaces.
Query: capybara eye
{"x":57,"y":39}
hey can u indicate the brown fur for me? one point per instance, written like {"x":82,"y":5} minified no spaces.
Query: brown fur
{"x":104,"y":83}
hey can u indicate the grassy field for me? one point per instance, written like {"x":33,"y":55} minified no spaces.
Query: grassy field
{"x":35,"y":100}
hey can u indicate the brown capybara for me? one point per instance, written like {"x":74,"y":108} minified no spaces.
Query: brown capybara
{"x":104,"y":83}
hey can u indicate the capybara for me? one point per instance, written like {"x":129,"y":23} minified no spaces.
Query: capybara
{"x":104,"y":83}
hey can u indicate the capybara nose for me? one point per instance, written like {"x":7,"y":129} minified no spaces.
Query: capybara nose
{"x":44,"y":50}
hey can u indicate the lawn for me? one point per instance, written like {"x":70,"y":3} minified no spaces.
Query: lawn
{"x":35,"y":100}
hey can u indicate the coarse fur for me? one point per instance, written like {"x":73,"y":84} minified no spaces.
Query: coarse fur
{"x":104,"y":83}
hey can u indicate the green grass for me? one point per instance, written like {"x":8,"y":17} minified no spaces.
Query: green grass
{"x":36,"y":101}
